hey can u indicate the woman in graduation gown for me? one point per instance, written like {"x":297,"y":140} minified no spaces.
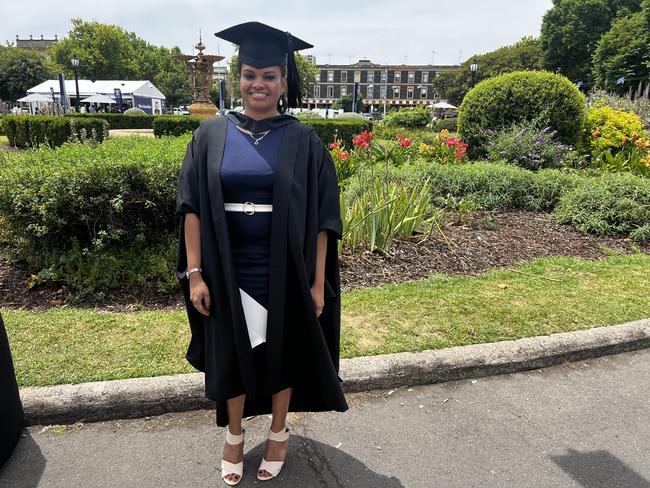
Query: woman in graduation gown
{"x":257,"y":259}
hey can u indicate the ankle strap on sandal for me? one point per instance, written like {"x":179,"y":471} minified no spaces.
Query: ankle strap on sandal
{"x":281,"y":436}
{"x":233,"y":439}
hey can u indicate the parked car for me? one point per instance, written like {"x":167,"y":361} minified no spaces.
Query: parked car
{"x":181,"y":111}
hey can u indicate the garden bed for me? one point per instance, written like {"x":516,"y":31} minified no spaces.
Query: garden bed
{"x":484,"y":241}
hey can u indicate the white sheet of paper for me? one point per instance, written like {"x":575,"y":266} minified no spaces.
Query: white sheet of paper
{"x":255,"y":315}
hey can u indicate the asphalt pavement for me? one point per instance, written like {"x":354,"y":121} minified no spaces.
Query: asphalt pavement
{"x":581,"y":424}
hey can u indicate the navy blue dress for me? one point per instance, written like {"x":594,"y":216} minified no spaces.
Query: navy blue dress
{"x":247,"y":176}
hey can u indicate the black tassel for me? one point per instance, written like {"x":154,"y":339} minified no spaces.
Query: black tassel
{"x":294,"y":96}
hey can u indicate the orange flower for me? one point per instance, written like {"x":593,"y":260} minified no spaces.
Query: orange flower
{"x":596,"y":133}
{"x":643,"y":142}
{"x":624,"y":139}
{"x":635,"y":136}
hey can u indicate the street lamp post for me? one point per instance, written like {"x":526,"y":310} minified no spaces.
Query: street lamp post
{"x":75,"y":65}
{"x":385,"y":89}
{"x":474,"y":68}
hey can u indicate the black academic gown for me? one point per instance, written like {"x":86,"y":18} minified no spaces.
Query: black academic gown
{"x":298,"y":343}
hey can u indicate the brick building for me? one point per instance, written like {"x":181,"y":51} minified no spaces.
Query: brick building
{"x":404,"y":85}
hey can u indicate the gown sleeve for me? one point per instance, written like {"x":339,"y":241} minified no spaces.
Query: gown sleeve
{"x":187,"y":194}
{"x":329,"y":214}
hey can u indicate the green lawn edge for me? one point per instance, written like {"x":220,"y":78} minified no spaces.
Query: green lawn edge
{"x":544,"y":296}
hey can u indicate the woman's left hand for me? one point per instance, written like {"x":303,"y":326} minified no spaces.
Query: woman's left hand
{"x":318,"y":297}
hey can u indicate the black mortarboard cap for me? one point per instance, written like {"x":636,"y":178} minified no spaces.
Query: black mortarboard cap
{"x":261,"y":45}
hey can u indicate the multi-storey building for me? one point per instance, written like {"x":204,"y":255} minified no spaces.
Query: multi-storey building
{"x":40,"y":45}
{"x":377,"y":83}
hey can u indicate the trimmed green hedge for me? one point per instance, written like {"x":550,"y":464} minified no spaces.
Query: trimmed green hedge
{"x":450,"y":124}
{"x":34,"y":130}
{"x":547,"y":99}
{"x":121,"y":121}
{"x":343,"y":129}
{"x":175,"y":125}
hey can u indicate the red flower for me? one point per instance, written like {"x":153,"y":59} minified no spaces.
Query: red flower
{"x":362,"y":140}
{"x":403,"y":141}
{"x":334,"y":145}
{"x":343,"y":155}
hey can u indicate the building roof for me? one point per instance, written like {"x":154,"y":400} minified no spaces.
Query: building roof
{"x":87,"y":88}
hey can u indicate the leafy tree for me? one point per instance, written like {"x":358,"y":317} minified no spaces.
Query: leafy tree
{"x":21,"y":69}
{"x":623,"y":51}
{"x":571,"y":30}
{"x":105,"y":52}
{"x":345,"y":102}
{"x":525,"y":55}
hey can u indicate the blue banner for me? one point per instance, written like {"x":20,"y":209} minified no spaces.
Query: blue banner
{"x":63,"y":95}
{"x":222,"y":87}
{"x":118,"y":98}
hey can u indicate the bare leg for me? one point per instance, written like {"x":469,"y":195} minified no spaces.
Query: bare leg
{"x":234,"y":454}
{"x":277,"y":451}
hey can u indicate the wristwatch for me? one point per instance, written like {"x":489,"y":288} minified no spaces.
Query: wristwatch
{"x":192,"y":270}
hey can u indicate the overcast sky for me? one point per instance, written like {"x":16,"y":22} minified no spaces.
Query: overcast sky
{"x":342,"y":31}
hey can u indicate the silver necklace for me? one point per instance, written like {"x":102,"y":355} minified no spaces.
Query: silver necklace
{"x":256,"y":139}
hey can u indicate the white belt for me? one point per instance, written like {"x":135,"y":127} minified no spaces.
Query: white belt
{"x":248,"y":208}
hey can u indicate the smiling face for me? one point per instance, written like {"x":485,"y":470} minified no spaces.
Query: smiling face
{"x":260,"y":90}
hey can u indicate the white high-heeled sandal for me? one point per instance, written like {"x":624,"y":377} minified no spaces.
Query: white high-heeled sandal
{"x":273,"y":467}
{"x":232,"y":468}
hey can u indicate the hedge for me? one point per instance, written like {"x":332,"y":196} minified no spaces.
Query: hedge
{"x":34,"y":130}
{"x":547,"y":99}
{"x":121,"y":121}
{"x":343,"y":129}
{"x":175,"y":125}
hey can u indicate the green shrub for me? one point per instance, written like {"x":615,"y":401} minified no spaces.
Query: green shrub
{"x":547,"y":99}
{"x":417,"y":117}
{"x":640,"y":106}
{"x":307,"y":115}
{"x":610,"y":204}
{"x":134,"y":111}
{"x":450,"y":124}
{"x":342,"y":129}
{"x":527,"y":146}
{"x":175,"y":125}
{"x":99,"y":203}
{"x":35,"y":130}
{"x":349,"y":115}
{"x":609,"y":129}
{"x":121,"y":121}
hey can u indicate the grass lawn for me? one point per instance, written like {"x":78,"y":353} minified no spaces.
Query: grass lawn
{"x":542,"y":297}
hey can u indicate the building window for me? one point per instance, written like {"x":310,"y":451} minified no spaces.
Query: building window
{"x":371,"y":92}
{"x":384,"y":76}
{"x":344,"y":90}
{"x":409,"y":92}
{"x":371,"y":76}
{"x":344,"y":76}
{"x":398,"y":77}
{"x":330,"y":91}
{"x":357,"y":76}
{"x":423,"y":92}
{"x":382,"y":92}
{"x":317,"y":77}
{"x":330,"y":76}
{"x":425,"y":77}
{"x":411,"y":76}
{"x":317,"y":91}
{"x":396,"y":92}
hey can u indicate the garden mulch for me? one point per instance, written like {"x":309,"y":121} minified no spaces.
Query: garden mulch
{"x":482,"y":242}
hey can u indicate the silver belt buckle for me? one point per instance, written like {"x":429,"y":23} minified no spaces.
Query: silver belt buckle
{"x":251,"y":208}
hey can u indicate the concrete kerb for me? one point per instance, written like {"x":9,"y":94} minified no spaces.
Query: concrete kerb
{"x":142,"y":397}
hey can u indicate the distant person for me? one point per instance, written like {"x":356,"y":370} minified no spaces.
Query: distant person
{"x":264,"y":307}
{"x":93,"y":109}
{"x":16,"y":110}
{"x":36,"y":111}
{"x":82,"y":109}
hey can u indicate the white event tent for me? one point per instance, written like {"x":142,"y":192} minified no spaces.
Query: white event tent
{"x":140,"y":93}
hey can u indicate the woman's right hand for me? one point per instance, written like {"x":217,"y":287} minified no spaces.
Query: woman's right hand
{"x":199,"y":294}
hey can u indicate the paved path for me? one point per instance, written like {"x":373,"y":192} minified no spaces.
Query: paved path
{"x":579,"y":425}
